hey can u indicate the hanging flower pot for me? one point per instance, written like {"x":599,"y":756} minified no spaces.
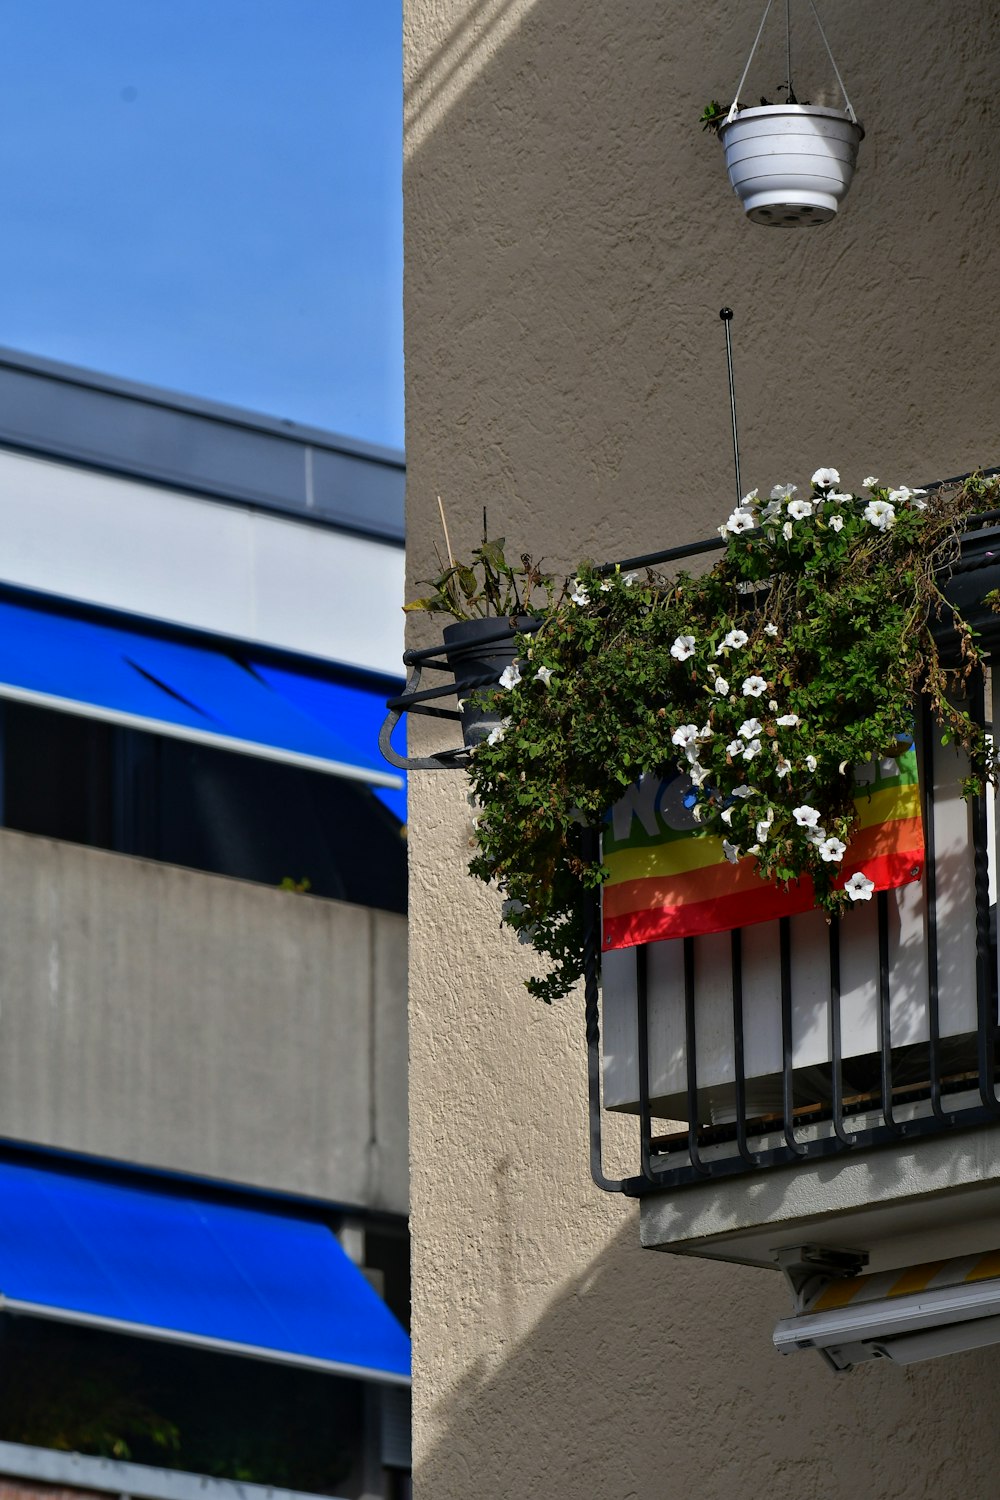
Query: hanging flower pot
{"x":790,"y":164}
{"x":479,"y":652}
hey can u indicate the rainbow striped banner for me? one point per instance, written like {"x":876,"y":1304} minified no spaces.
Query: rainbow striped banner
{"x":668,"y":877}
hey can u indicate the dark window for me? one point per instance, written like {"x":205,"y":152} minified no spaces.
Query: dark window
{"x":72,"y":778}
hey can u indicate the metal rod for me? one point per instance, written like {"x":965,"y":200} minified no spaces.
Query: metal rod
{"x":642,"y":1047}
{"x":930,"y":908}
{"x":736,"y":952}
{"x":691,"y":1057}
{"x":836,"y":1038}
{"x":591,"y":949}
{"x":787,"y":1047}
{"x":884,"y":1010}
{"x":984,"y":986}
{"x":726,"y":314}
{"x":788,"y":50}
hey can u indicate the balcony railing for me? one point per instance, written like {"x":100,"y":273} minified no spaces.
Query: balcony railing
{"x":797,"y":1039}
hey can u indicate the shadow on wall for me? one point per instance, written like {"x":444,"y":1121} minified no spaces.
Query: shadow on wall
{"x":678,"y":1353}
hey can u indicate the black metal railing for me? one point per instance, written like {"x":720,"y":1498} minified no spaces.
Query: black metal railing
{"x":852,"y":1101}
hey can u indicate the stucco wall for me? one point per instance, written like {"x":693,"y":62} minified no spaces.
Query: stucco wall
{"x":570,"y":239}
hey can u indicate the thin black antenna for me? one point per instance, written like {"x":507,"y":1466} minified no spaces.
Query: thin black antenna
{"x":726,"y":314}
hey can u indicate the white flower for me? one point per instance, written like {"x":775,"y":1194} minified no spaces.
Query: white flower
{"x":799,"y":509}
{"x":904,"y":496}
{"x":496,"y":735}
{"x":770,"y":629}
{"x":859,"y":887}
{"x":832,"y":851}
{"x":684,"y":735}
{"x":698,"y":774}
{"x":629,"y":579}
{"x":764,"y":825}
{"x":880,"y":513}
{"x":749,"y":728}
{"x":579,"y":594}
{"x":731,"y":851}
{"x":870,"y":482}
{"x":727,"y":815}
{"x":510,"y":676}
{"x":771,"y":509}
{"x":706,"y":732}
{"x":816,"y":835}
{"x":544,"y":675}
{"x":773,"y":705}
{"x":735,"y":639}
{"x":754,"y":849}
{"x":721,"y":686}
{"x":511,"y":908}
{"x":753,"y":686}
{"x":810,"y":762}
{"x":788,"y":721}
{"x":606,"y":586}
{"x":743,"y":791}
{"x":683,"y":647}
{"x":806,"y":816}
{"x":825,"y":479}
{"x":783,"y":491}
{"x":749,"y":499}
{"x":786,"y":531}
{"x":783,"y":768}
{"x":838,"y":498}
{"x":735,"y":747}
{"x":835,"y":523}
{"x":751,"y":750}
{"x":740,"y":520}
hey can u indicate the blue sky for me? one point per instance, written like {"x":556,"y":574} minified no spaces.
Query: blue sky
{"x":206,"y":195}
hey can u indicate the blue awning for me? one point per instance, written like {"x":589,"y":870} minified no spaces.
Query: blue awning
{"x":171,"y":1266}
{"x":210,"y":694}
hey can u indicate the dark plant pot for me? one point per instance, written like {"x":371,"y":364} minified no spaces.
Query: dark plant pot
{"x":478,"y":652}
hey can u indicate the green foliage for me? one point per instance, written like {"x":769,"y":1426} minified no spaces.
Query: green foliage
{"x":712,"y":116}
{"x":299,"y":887}
{"x":767,"y":679}
{"x":489,"y":585}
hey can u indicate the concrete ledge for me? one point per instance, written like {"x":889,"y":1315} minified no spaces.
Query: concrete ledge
{"x":79,"y":1471}
{"x":923,"y":1199}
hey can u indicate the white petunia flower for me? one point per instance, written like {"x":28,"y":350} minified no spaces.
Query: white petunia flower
{"x":825,"y":479}
{"x":743,"y":791}
{"x":783,"y":768}
{"x":835,"y":523}
{"x":770,"y":629}
{"x":510,"y":676}
{"x":544,"y":676}
{"x":720,"y":686}
{"x":683,"y":647}
{"x":838,"y":498}
{"x":629,"y":579}
{"x":799,"y":509}
{"x":752,"y":749}
{"x":806,"y":816}
{"x":496,"y":735}
{"x":810,"y":762}
{"x":735,"y":747}
{"x":684,"y":735}
{"x":880,"y":513}
{"x":832,"y":851}
{"x":740,"y":520}
{"x":698,"y":774}
{"x":606,"y":586}
{"x":731,"y":851}
{"x":727,"y":815}
{"x":788,"y":721}
{"x":753,"y":686}
{"x":749,"y":728}
{"x":773,"y":705}
{"x":859,"y":887}
{"x":764,"y":825}
{"x":904,"y":496}
{"x":749,"y":499}
{"x":734,"y":640}
{"x":870,"y":482}
{"x":786,"y":531}
{"x":783,"y":491}
{"x":579,"y":594}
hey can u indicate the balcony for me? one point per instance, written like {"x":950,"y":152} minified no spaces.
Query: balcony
{"x":823,"y":1096}
{"x":195,"y":1023}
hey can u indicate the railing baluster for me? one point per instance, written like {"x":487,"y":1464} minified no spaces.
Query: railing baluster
{"x":691,"y":1057}
{"x":787,"y":1048}
{"x":739,"y":1059}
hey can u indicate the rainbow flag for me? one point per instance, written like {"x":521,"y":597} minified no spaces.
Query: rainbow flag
{"x":668,"y":877}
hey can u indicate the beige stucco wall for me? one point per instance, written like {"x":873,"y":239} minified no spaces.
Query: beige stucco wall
{"x":570,"y":240}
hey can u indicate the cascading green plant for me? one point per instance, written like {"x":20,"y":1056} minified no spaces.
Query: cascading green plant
{"x":766,"y":680}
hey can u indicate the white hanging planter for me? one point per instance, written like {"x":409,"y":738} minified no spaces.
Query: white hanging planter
{"x":791,"y":164}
